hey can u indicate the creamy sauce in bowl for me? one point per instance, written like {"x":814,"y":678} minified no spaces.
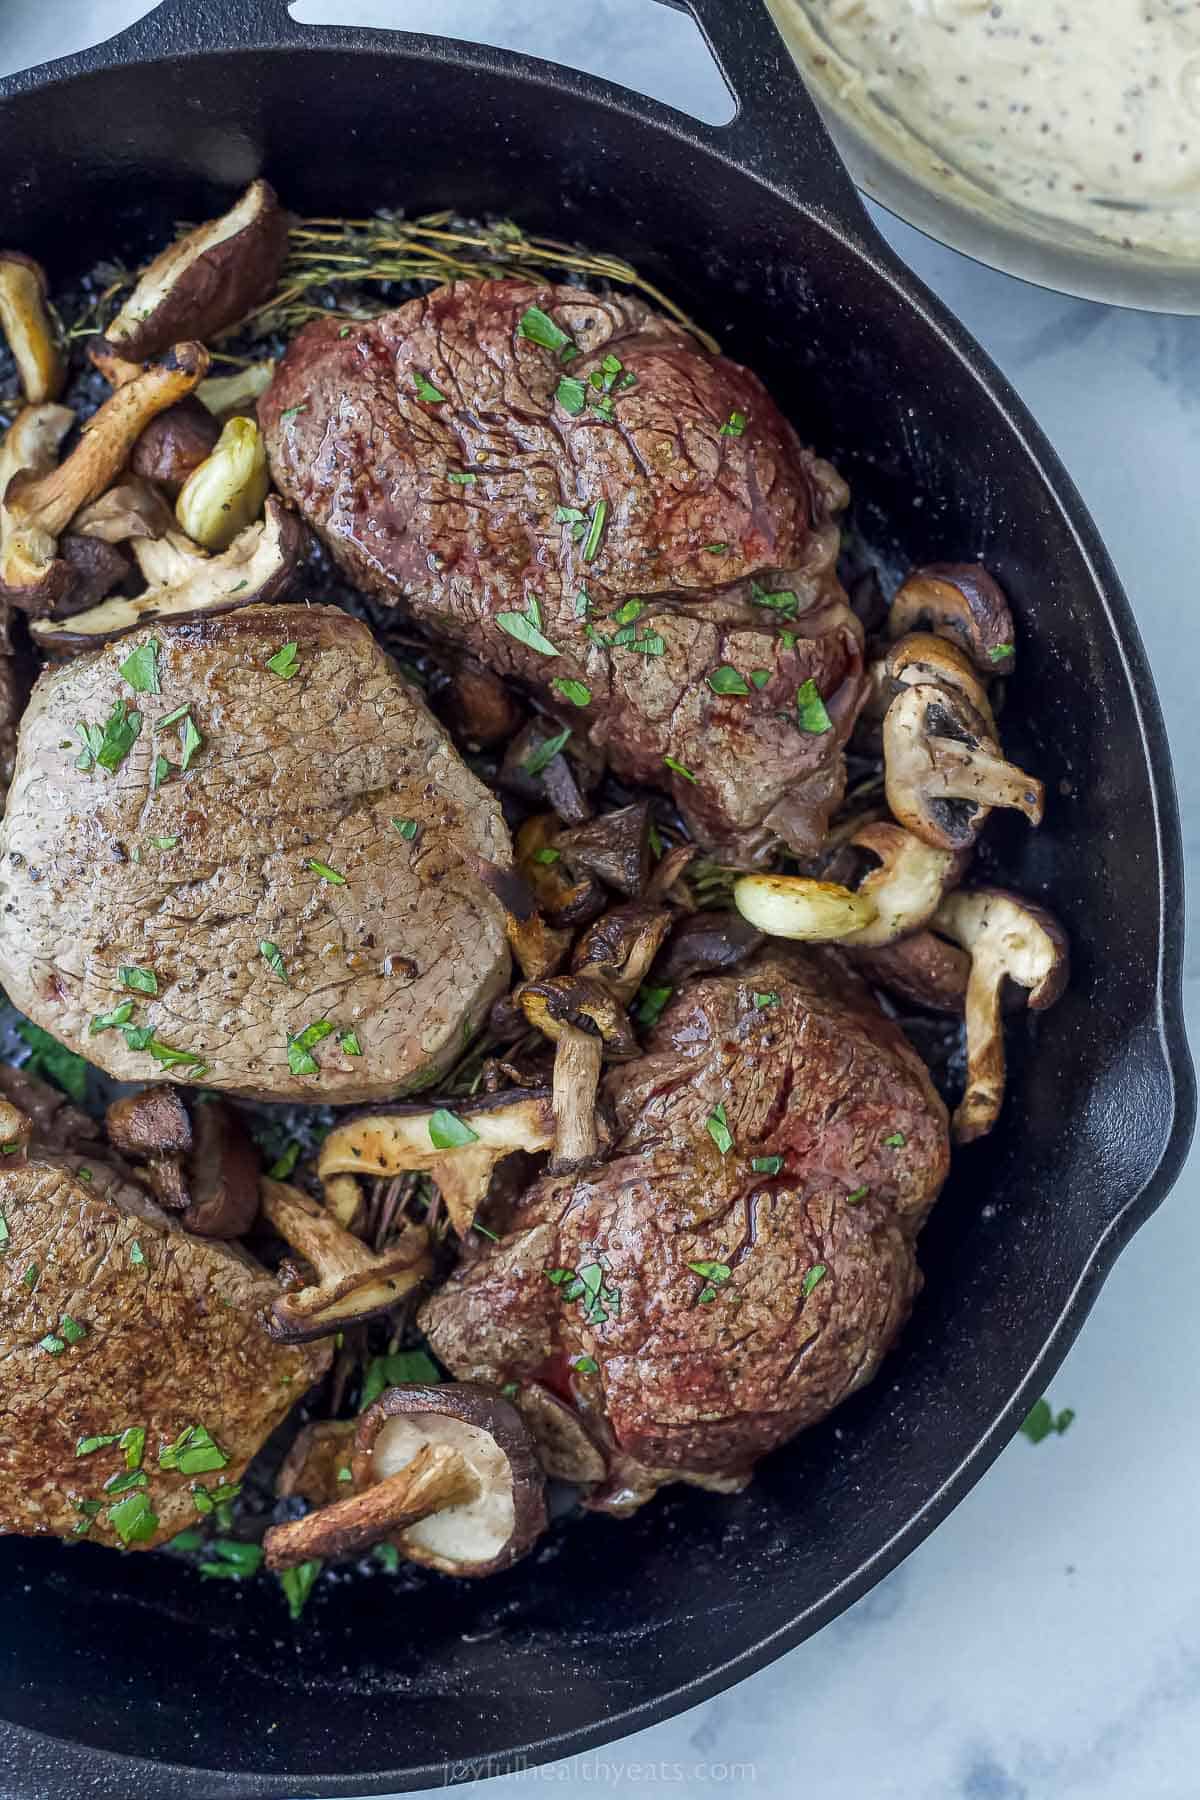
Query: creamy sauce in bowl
{"x":1081,"y":112}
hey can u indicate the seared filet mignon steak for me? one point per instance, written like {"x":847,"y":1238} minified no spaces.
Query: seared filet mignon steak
{"x":696,"y":1309}
{"x":630,"y":539}
{"x":264,"y":888}
{"x":114,"y":1322}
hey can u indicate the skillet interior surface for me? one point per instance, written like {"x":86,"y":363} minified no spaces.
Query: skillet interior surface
{"x":611,"y":1625}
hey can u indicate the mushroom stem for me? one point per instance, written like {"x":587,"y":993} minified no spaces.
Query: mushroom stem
{"x":983,"y":1095}
{"x":960,"y":773}
{"x":436,"y":1477}
{"x":577,"y":1061}
{"x":26,"y":324}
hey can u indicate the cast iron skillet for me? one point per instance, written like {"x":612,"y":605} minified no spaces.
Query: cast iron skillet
{"x":755,"y":227}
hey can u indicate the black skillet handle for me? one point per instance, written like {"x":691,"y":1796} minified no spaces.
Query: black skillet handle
{"x":777,"y":132}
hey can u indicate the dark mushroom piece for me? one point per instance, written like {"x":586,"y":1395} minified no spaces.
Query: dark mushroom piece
{"x":565,"y":1449}
{"x":585,"y":1023}
{"x":184,"y":581}
{"x":205,"y":281}
{"x":961,"y":602}
{"x":801,"y":908}
{"x":537,"y":947}
{"x":175,"y":443}
{"x":403,"y":1139}
{"x":1008,"y":939}
{"x":317,"y":1466}
{"x":564,"y":900}
{"x":615,"y":847}
{"x":524,"y":773}
{"x":201,"y":1164}
{"x":922,"y":659}
{"x":154,"y":1130}
{"x":944,"y":770}
{"x":706,"y":943}
{"x":481,"y":707}
{"x":924,"y":970}
{"x":618,"y":949}
{"x":133,"y":509}
{"x":352,"y":1282}
{"x":908,"y":883}
{"x":27,"y":326}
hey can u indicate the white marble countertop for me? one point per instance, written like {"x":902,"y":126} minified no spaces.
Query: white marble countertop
{"x":1044,"y":1644}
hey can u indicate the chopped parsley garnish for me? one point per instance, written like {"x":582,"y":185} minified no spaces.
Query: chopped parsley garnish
{"x":810,"y":709}
{"x":547,"y":856}
{"x":766,"y":1165}
{"x":600,"y":1301}
{"x":232,"y":1560}
{"x":285,"y":662}
{"x":190,"y":741}
{"x":194,"y":1452}
{"x":762,"y":1001}
{"x":718,"y":1130}
{"x":510,"y":1390}
{"x":734,"y":425}
{"x":127,"y":1479}
{"x":285,"y":1162}
{"x":133,"y":1519}
{"x":585,"y":1365}
{"x":332,"y":876}
{"x":526,"y":627}
{"x":137,"y":1255}
{"x":595,"y":531}
{"x":716,"y":549}
{"x":726,"y":680}
{"x":191,"y":1539}
{"x":140,"y":668}
{"x":272,"y":955}
{"x":172,"y":718}
{"x":141,"y":1037}
{"x":448,"y":1132}
{"x":426,"y":390}
{"x":143,"y":981}
{"x":713,"y":1275}
{"x":407,"y":828}
{"x":298,"y":1583}
{"x":462,"y":478}
{"x":574,"y":691}
{"x":651,"y":1001}
{"x":293,"y":412}
{"x":544,"y":755}
{"x":160,"y":768}
{"x":857,"y":1197}
{"x":53,"y":1346}
{"x":301,"y":1060}
{"x":164,"y":843}
{"x":348,"y":1043}
{"x":5,"y":1233}
{"x":815,"y":1275}
{"x":997,"y":653}
{"x":571,"y":395}
{"x":1040,"y":1421}
{"x":388,"y":1557}
{"x":207,"y":1500}
{"x":787,"y":640}
{"x":30,"y":1277}
{"x":71,"y":1330}
{"x":631,"y":610}
{"x":760,"y":677}
{"x":897,"y":1141}
{"x":784,"y":602}
{"x":583,"y":604}
{"x":54,"y":1060}
{"x":87,"y":1446}
{"x":109,"y":747}
{"x":394,"y":1370}
{"x":539,"y":328}
{"x":649,"y":644}
{"x":679,"y":768}
{"x":133,"y":1443}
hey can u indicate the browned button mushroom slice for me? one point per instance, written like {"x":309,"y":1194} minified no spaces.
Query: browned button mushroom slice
{"x":352,"y":1282}
{"x":906,"y":887}
{"x":921,"y":659}
{"x":564,"y":900}
{"x":30,"y":448}
{"x":618,"y":949}
{"x":228,"y":490}
{"x":481,"y":1133}
{"x":42,"y":506}
{"x":317,"y":1467}
{"x":1007,"y":939}
{"x":962,"y":602}
{"x":615,"y":848}
{"x":184,"y":581}
{"x":506,"y":1515}
{"x":206,"y":280}
{"x":798,"y":907}
{"x":27,"y":326}
{"x":176,"y":443}
{"x":923,"y":969}
{"x":944,"y":770}
{"x":203,"y":1165}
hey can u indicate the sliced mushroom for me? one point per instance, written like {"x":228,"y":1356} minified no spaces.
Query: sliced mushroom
{"x":223,"y":395}
{"x":133,"y":509}
{"x":40,"y":507}
{"x":481,"y":707}
{"x":922,"y":659}
{"x":564,"y":901}
{"x":555,"y":782}
{"x":538,"y":948}
{"x":944,"y":771}
{"x":27,"y":325}
{"x":259,"y":566}
{"x":562,"y":1001}
{"x":564,"y":1447}
{"x":390,"y":1143}
{"x":317,"y":1467}
{"x":153,"y":1129}
{"x":506,"y":1513}
{"x":618,"y":949}
{"x":795,"y":906}
{"x":706,"y":943}
{"x":614,"y":847}
{"x":908,"y":884}
{"x":30,"y":449}
{"x":227,"y":492}
{"x":175,"y":443}
{"x":205,"y":281}
{"x":1007,"y":939}
{"x":961,"y":602}
{"x":202,"y":1163}
{"x":352,"y":1282}
{"x":923,"y":970}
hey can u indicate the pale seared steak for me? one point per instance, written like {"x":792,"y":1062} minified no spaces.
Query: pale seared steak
{"x":114,"y":1321}
{"x":698,"y":1310}
{"x":632,"y":539}
{"x":289,"y":916}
